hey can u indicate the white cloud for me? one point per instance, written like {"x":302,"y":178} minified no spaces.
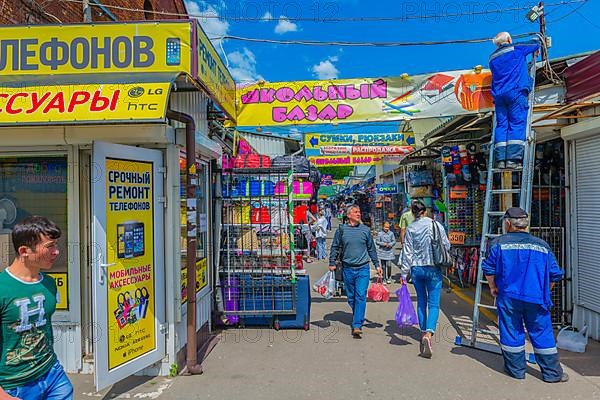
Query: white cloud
{"x":267,"y":16}
{"x":205,"y":13}
{"x":326,"y":69}
{"x":242,"y":65}
{"x":285,"y":25}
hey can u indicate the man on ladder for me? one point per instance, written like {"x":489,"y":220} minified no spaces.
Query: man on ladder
{"x":521,"y":271}
{"x":511,"y":85}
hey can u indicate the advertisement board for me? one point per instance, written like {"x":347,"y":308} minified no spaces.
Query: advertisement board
{"x":365,"y":99}
{"x":130,"y":243}
{"x":83,"y":103}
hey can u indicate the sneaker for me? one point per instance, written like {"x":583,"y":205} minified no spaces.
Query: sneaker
{"x":389,"y":281}
{"x":426,"y":345}
{"x":513,"y":164}
{"x":563,"y":378}
{"x":356,"y":333}
{"x":500,"y":164}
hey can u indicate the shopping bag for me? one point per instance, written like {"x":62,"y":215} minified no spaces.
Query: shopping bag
{"x":325,"y":286}
{"x":570,"y":340}
{"x":405,"y":314}
{"x":378,"y":291}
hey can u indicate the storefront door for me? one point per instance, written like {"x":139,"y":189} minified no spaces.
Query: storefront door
{"x":128,"y":260}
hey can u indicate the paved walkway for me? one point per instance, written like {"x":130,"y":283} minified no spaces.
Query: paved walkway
{"x":326,"y":363}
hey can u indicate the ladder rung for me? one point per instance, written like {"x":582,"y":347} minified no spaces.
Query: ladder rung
{"x":488,"y":306}
{"x":501,"y":170}
{"x":483,"y":281}
{"x":489,"y":332}
{"x":506,"y":190}
{"x":496,"y":213}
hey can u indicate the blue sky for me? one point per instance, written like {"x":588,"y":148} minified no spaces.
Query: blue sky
{"x":574,"y":28}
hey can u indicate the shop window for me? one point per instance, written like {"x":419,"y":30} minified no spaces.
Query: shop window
{"x":33,"y":186}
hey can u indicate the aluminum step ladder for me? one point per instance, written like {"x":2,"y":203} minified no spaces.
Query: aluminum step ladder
{"x":492,"y":219}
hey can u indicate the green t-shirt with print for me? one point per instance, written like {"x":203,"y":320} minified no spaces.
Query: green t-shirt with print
{"x":26,"y":339}
{"x":406,"y":219}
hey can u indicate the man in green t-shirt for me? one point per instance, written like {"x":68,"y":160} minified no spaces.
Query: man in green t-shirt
{"x":29,"y":368}
{"x":405,"y":220}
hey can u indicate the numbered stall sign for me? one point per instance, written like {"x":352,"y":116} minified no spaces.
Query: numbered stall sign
{"x":456,"y":237}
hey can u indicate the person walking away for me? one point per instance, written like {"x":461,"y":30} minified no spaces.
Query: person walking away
{"x":354,"y":244}
{"x":29,"y":368}
{"x":320,"y":230}
{"x":417,"y":256}
{"x":521,"y":270}
{"x":385,"y":241}
{"x":328,"y":216}
{"x":511,"y":85}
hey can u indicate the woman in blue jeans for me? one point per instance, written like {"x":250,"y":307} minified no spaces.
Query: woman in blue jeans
{"x":418,"y":258}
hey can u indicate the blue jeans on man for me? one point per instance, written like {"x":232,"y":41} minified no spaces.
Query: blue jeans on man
{"x":428,"y":285}
{"x":54,"y":385}
{"x":356,"y":283}
{"x":321,"y":248}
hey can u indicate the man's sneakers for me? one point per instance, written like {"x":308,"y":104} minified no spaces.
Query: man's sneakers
{"x":513,"y":164}
{"x":356,"y":333}
{"x":563,"y":378}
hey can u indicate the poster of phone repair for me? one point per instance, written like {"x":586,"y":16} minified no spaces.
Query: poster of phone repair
{"x":129,"y":236}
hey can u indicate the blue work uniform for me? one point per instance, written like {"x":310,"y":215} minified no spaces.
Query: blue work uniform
{"x":511,"y":85}
{"x":524,"y":266}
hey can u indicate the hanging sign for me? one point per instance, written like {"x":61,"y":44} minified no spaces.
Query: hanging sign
{"x":387,"y":188}
{"x":130,"y":279}
{"x":358,"y":143}
{"x":333,"y":161}
{"x":366,"y":99}
{"x":455,"y":237}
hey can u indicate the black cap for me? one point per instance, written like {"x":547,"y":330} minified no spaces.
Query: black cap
{"x":515,"y":212}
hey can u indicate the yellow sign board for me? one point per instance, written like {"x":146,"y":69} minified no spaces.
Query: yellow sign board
{"x":83,"y":49}
{"x":213,"y":74}
{"x":83,"y":103}
{"x":62,"y":287}
{"x":201,"y":279}
{"x":129,"y":239}
{"x":365,"y":99}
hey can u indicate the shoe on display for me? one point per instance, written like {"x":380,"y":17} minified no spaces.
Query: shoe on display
{"x":513,"y":164}
{"x":500,"y":164}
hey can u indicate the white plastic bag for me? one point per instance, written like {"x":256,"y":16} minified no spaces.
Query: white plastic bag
{"x":325,"y":286}
{"x":570,"y":340}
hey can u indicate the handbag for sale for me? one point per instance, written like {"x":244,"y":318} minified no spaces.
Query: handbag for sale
{"x":441,"y":256}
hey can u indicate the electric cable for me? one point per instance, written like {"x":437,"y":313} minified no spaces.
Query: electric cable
{"x":337,"y":19}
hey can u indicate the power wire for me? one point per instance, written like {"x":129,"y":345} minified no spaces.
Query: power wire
{"x":340,"y":19}
{"x":362,"y":44}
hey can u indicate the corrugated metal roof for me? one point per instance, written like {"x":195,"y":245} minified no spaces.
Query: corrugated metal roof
{"x":583,"y":78}
{"x":271,"y":146}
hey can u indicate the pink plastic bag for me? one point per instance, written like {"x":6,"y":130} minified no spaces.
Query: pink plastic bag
{"x":405,"y":314}
{"x":378,"y":291}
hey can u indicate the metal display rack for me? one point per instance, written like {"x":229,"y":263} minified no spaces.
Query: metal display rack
{"x":258,"y":266}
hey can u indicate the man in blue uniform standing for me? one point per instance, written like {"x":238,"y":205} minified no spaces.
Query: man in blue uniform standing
{"x":521,"y":271}
{"x":511,"y":85}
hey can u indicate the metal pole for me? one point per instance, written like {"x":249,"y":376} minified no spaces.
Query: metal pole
{"x":87,"y":11}
{"x":543,"y":31}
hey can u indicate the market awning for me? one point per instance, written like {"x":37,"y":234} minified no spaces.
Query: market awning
{"x":88,"y":98}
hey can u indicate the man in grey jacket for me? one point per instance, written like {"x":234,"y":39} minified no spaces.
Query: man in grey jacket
{"x":354,"y":243}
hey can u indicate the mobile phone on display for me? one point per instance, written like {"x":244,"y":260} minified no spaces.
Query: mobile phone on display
{"x":173,"y":51}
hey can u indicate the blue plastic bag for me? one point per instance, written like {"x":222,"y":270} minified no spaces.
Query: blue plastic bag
{"x":405,"y":314}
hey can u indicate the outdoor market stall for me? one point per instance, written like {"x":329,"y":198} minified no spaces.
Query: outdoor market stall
{"x":122,"y":163}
